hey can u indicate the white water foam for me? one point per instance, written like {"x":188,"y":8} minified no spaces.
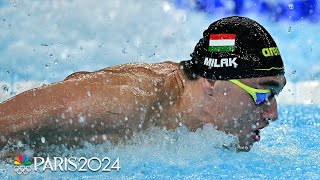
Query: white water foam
{"x":178,"y":148}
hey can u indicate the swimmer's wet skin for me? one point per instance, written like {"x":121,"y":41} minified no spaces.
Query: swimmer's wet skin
{"x":230,"y":82}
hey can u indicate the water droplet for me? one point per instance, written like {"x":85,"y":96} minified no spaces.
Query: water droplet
{"x":43,"y":140}
{"x":289,"y":29}
{"x":268,"y":103}
{"x":47,"y":65}
{"x":124,"y":51}
{"x":55,"y":62}
{"x":225,"y":93}
{"x":5,"y":88}
{"x":294,"y":72}
{"x":160,"y":107}
{"x":104,"y":137}
{"x":291,"y":6}
{"x":19,"y":144}
{"x":88,"y":93}
{"x":81,"y":119}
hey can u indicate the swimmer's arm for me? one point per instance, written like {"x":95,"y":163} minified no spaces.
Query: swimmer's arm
{"x":28,"y":111}
{"x":57,"y":106}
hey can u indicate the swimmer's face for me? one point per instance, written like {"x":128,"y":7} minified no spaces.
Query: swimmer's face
{"x":234,"y":111}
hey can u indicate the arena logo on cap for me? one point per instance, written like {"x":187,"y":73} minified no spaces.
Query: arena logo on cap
{"x":222,"y":42}
{"x":272,"y":51}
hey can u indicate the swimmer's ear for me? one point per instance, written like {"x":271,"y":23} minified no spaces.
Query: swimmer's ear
{"x":207,"y":86}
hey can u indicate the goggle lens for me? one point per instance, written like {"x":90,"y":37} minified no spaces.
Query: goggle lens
{"x":261,"y":97}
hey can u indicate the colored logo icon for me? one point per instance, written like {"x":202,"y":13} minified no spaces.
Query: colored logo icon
{"x":22,"y":164}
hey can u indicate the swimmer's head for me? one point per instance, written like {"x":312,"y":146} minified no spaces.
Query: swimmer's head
{"x":234,"y":48}
{"x":236,"y":70}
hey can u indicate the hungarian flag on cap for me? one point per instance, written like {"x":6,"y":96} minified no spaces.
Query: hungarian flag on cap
{"x":222,"y":42}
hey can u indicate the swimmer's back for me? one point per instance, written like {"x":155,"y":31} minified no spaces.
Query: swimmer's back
{"x":152,"y":70}
{"x":127,"y":92}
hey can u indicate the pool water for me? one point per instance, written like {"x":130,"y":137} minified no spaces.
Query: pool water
{"x":79,"y":38}
{"x":289,"y":148}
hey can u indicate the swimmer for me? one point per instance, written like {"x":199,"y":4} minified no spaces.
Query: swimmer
{"x":231,"y":82}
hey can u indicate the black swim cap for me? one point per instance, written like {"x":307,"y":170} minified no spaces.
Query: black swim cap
{"x":233,"y":48}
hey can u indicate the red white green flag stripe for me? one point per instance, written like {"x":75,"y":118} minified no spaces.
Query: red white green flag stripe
{"x":222,"y":42}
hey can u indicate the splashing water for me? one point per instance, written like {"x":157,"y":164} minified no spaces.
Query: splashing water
{"x":289,"y":147}
{"x":291,"y":6}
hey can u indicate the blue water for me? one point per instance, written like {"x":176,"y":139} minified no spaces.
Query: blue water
{"x":48,"y":40}
{"x":289,"y":148}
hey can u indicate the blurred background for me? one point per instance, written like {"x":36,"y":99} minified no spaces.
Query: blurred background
{"x":44,"y":41}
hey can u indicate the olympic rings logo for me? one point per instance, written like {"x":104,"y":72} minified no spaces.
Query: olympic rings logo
{"x":22,"y":169}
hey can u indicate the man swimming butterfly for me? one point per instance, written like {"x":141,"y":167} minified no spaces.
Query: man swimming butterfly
{"x":230,"y":82}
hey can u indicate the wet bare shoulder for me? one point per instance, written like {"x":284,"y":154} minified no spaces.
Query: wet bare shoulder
{"x":144,"y":68}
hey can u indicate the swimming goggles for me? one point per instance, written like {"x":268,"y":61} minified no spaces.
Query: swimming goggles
{"x":258,"y":95}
